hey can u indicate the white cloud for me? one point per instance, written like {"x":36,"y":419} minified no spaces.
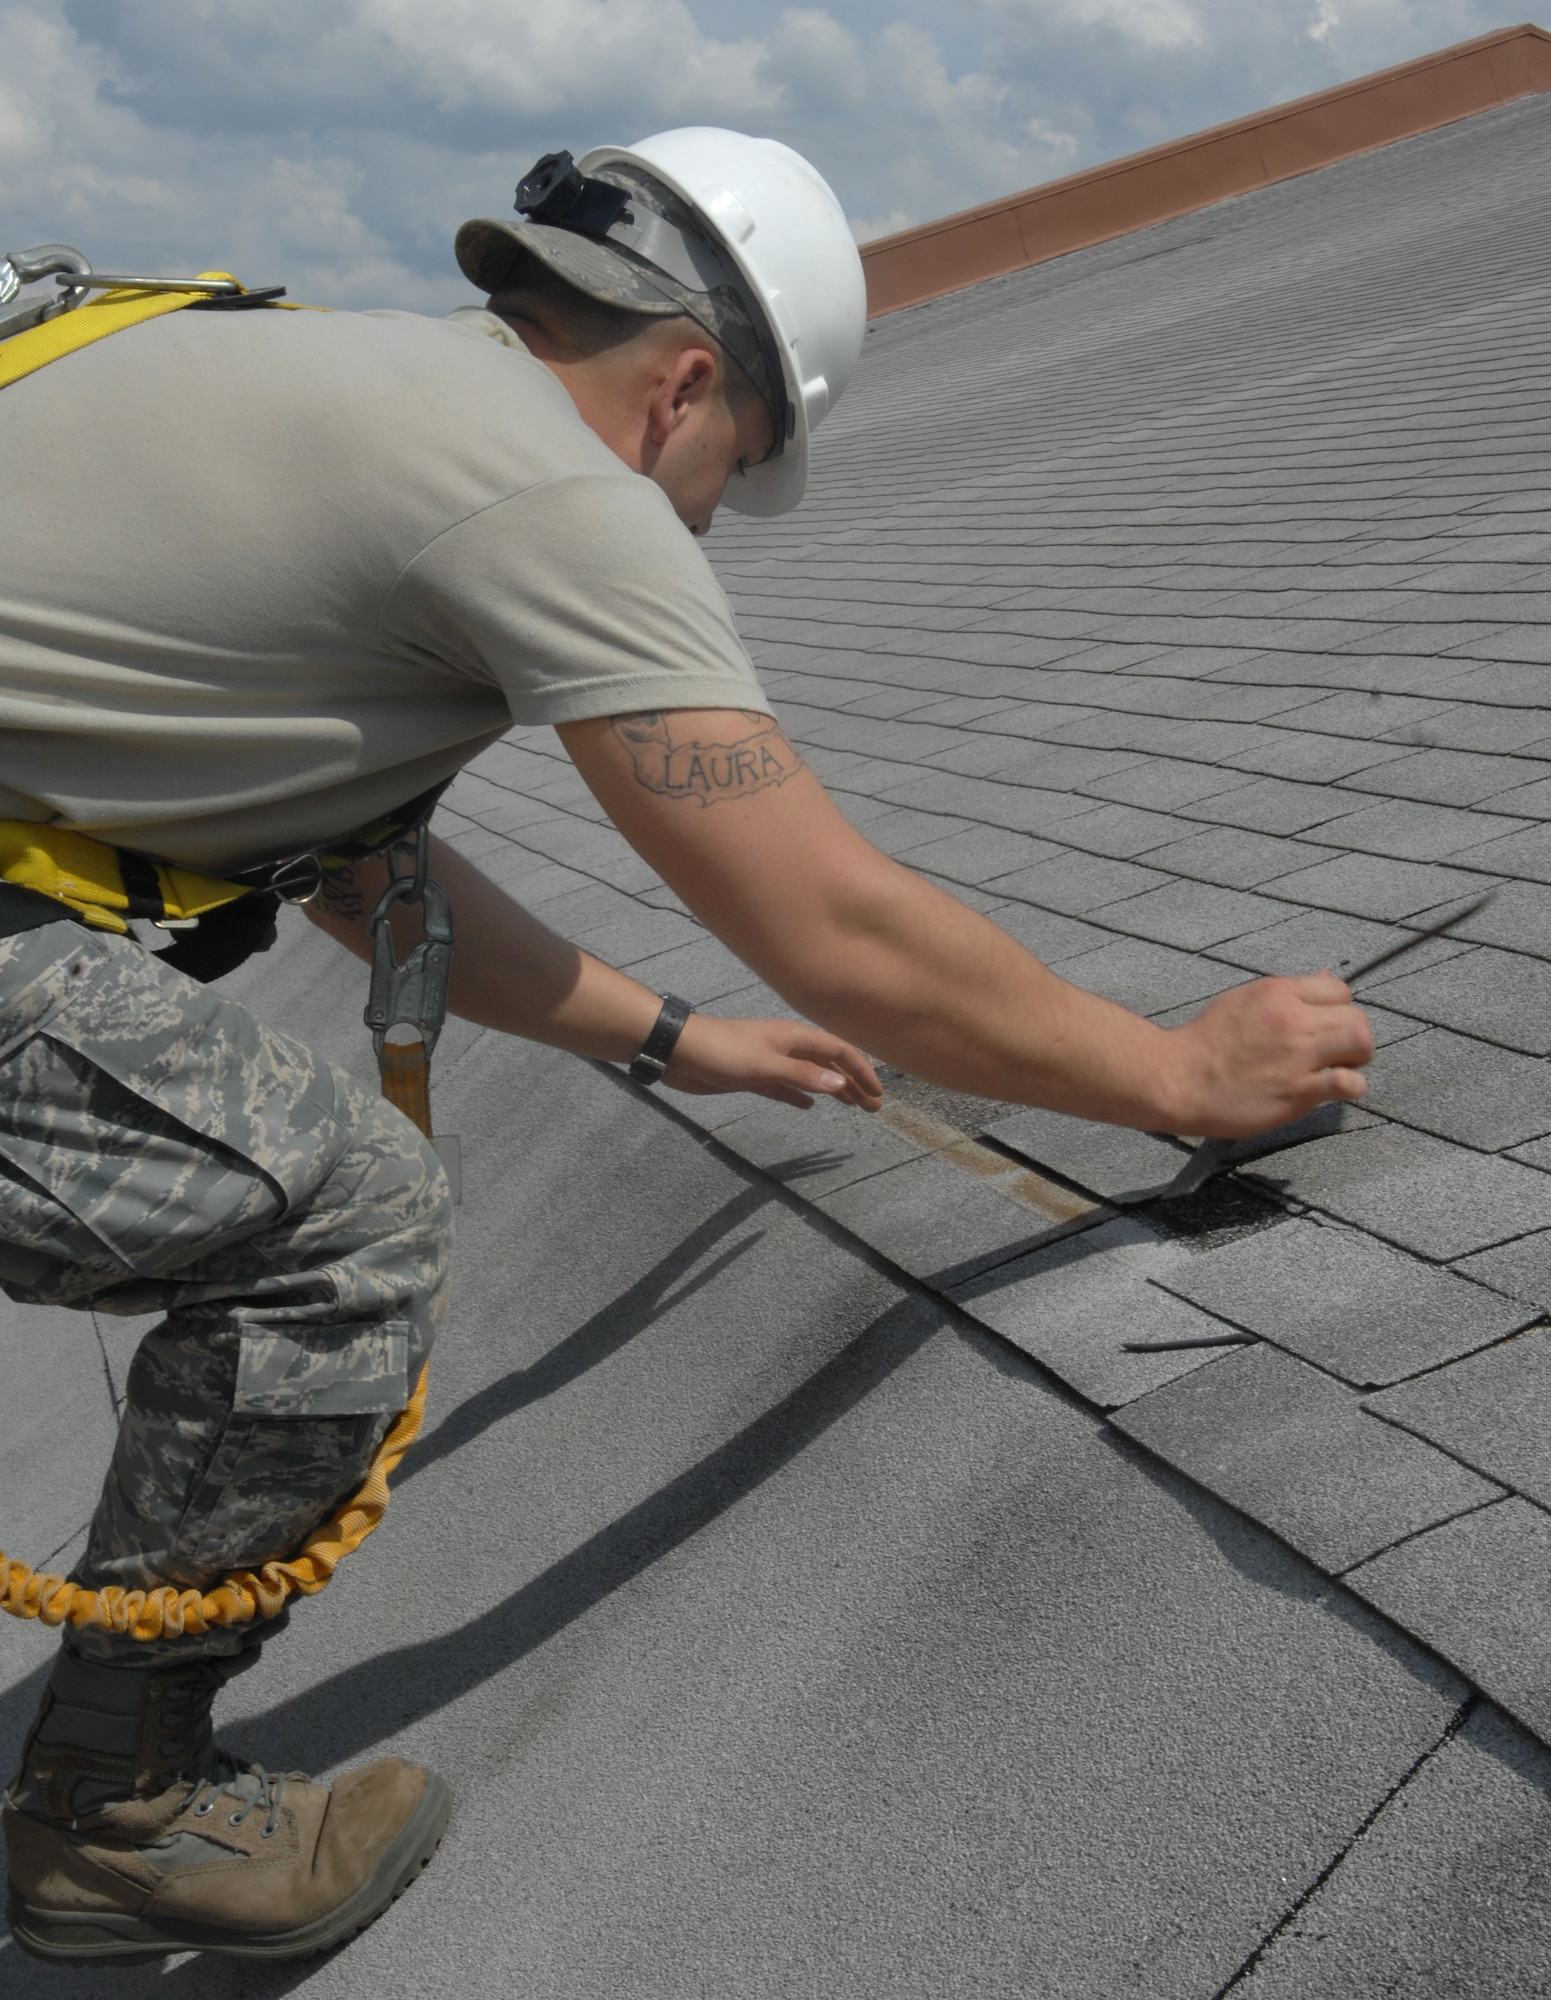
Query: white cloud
{"x":1152,"y":24}
{"x":335,"y":145}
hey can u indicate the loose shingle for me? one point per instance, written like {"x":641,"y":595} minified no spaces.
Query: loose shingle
{"x":1108,"y":1160}
{"x":1074,"y":1305}
{"x":1421,"y":1193}
{"x":1352,"y":1306}
{"x":1296,"y":1451}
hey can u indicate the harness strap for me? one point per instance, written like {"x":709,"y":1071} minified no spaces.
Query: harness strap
{"x":24,"y":353}
{"x":105,"y":886}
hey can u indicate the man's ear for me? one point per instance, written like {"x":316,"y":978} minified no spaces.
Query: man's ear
{"x":687,"y":381}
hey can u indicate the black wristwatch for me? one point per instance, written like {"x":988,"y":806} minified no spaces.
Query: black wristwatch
{"x":659,"y":1045}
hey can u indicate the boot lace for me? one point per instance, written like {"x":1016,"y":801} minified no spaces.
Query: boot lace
{"x":249,"y":1783}
{"x":193,"y":1754}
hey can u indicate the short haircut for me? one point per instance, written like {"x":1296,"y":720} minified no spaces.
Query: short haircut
{"x":582,"y":326}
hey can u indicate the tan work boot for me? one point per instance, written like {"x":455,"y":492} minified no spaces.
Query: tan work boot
{"x":130,"y":1835}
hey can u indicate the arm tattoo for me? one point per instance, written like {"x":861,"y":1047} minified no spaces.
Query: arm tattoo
{"x":340,"y":896}
{"x":684,"y":756}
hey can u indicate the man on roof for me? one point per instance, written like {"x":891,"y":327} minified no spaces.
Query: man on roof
{"x":319,"y":561}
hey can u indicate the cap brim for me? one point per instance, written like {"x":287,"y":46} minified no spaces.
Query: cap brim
{"x":489,"y":252}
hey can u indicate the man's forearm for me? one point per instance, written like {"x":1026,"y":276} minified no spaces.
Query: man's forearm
{"x":890,"y":961}
{"x":722,"y":806}
{"x":509,"y":971}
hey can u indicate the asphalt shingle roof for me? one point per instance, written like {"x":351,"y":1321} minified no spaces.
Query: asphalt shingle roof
{"x":1182,"y":603}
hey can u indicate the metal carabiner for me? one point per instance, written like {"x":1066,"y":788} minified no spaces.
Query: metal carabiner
{"x":26,"y":267}
{"x":411,"y":993}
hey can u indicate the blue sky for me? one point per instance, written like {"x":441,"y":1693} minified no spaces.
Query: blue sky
{"x":334,"y":145}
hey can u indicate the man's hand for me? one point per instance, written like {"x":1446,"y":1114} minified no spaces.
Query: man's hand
{"x":786,"y":1060}
{"x":1265,"y":1054}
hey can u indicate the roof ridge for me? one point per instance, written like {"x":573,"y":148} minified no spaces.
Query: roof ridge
{"x":1121,"y":196}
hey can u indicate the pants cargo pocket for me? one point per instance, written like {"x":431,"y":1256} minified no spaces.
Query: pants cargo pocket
{"x":164,"y":1122}
{"x":307,"y":1412}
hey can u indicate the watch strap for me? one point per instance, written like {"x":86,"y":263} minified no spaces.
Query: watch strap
{"x":657,"y":1049}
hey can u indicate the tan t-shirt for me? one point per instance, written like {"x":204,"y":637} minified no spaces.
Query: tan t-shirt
{"x":266,"y":575}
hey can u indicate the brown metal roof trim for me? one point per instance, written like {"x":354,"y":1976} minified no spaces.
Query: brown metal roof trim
{"x":1191,"y":173}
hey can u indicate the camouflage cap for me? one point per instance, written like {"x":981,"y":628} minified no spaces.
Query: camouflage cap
{"x":658,"y":257}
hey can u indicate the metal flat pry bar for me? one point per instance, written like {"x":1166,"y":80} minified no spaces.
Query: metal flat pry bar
{"x":1212,"y":1155}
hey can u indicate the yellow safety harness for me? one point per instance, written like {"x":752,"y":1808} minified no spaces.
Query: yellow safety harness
{"x":106,"y":887}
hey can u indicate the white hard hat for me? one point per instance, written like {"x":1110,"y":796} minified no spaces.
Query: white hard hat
{"x":773,"y":227}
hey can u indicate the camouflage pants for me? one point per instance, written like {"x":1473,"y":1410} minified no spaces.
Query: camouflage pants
{"x":162,"y":1150}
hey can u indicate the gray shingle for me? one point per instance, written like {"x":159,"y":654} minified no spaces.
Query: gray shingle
{"x":1463,"y":1089}
{"x":1421,"y":1193}
{"x":1450,"y":777}
{"x":1525,"y":854}
{"x":1308,"y":758}
{"x":1074,"y":1304}
{"x":1048,"y":934}
{"x":1488,"y":1411}
{"x":1387,"y":1027}
{"x":980,"y":853}
{"x":816,"y":1151}
{"x":1312,"y":942}
{"x":1533,"y":801}
{"x":1478,"y":1591}
{"x":1164,"y":784}
{"x":1295,"y":1451}
{"x":1370,"y":886}
{"x":1351,"y":1306}
{"x":1521,"y":1268}
{"x":1108,"y":1160}
{"x":1274,"y":805}
{"x":1122,"y":831}
{"x":1077,"y":883}
{"x":942,"y":1224}
{"x":1193,"y":915}
{"x":1233,"y":857}
{"x":1499,"y":995}
{"x":1412,"y":831}
{"x":1148,"y":978}
{"x":1519,"y":918}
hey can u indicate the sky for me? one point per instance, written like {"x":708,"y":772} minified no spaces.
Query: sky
{"x":334,"y":145}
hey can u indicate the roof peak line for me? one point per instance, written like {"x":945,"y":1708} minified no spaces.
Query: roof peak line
{"x":1121,"y":196}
